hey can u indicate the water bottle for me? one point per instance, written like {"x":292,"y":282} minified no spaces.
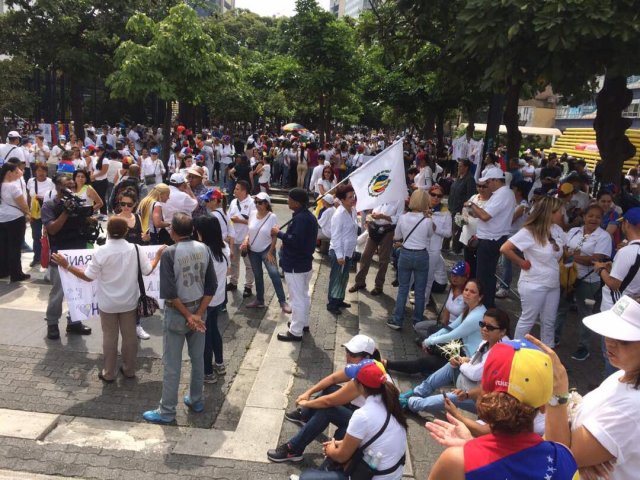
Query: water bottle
{"x":368,"y":457}
{"x":375,"y":462}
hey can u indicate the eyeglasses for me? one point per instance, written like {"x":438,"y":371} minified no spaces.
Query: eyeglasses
{"x":490,"y":328}
{"x":436,"y":195}
{"x":126,"y":204}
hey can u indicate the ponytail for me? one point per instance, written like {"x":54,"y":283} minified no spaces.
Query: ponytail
{"x":391,"y":399}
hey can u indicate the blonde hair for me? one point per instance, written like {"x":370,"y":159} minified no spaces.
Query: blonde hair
{"x":144,"y":208}
{"x":540,"y":219}
{"x":419,"y":201}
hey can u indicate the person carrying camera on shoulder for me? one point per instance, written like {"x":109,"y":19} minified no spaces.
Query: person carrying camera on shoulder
{"x":64,"y":227}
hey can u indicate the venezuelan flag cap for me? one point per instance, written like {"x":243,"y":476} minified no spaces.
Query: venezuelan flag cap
{"x":370,"y":373}
{"x":519,"y":368}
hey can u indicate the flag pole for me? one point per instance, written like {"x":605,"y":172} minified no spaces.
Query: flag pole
{"x":315,"y":203}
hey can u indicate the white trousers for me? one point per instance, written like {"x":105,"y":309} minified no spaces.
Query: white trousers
{"x":298,"y":286}
{"x":436,"y":262}
{"x":538,"y":301}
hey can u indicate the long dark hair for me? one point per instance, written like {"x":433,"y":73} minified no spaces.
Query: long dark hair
{"x":390,"y":397}
{"x":6,"y":168}
{"x":211,"y":234}
{"x":480,"y":292}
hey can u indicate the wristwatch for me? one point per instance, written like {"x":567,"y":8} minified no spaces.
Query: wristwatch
{"x":558,"y":400}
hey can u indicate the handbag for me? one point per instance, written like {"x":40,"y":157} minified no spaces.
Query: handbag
{"x":359,"y":469}
{"x":35,"y":210}
{"x":45,"y":251}
{"x":244,"y":253}
{"x":147,"y":305}
{"x":378,"y":232}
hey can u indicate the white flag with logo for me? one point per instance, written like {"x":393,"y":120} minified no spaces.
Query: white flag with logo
{"x":381,"y":179}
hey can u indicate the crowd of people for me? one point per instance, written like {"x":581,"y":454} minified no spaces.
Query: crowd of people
{"x":573,"y":242}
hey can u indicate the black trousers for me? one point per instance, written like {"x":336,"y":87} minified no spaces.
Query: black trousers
{"x":101,"y":186}
{"x":486,"y":265}
{"x":11,"y":237}
{"x":425,"y":365}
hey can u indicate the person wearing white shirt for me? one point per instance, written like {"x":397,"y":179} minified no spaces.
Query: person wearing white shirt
{"x":317,"y":175}
{"x":14,"y":212}
{"x":261,"y":248}
{"x":211,"y":235}
{"x":240,"y":209}
{"x":181,"y":198}
{"x":424,"y":179}
{"x":226,"y":152}
{"x":117,"y":294}
{"x":39,"y":187}
{"x":153,"y":169}
{"x":541,"y":242}
{"x":585,"y":245}
{"x":326,"y":214}
{"x":442,"y":228}
{"x":414,"y":229}
{"x":41,"y":150}
{"x":380,"y":225}
{"x":344,"y":236}
{"x":494,"y":225}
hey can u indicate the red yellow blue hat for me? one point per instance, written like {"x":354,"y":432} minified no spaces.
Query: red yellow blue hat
{"x":369,"y":373}
{"x":522,"y":370}
{"x":461,"y":269}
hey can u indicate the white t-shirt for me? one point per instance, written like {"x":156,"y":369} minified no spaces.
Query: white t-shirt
{"x":326,"y":184}
{"x":420,"y":238}
{"x":40,"y":153}
{"x":178,"y":202}
{"x":265,"y":174}
{"x":455,"y":306}
{"x":517,"y":225}
{"x":324,"y":222}
{"x":610,"y":414}
{"x":9,"y":150}
{"x":243,"y":209}
{"x":260,"y":238}
{"x":622,"y":263}
{"x":500,"y":206}
{"x":98,"y":177}
{"x":221,"y":275}
{"x":43,"y":187}
{"x":366,"y":422}
{"x":599,"y":242}
{"x":316,"y":175}
{"x":9,"y":209}
{"x":544,"y":270}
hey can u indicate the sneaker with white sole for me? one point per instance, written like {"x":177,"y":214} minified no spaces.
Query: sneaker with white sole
{"x":210,"y":378}
{"x":502,"y":293}
{"x":219,"y":368}
{"x":142,"y":335}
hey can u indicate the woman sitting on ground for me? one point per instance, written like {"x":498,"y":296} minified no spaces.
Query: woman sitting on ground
{"x":381,"y":414}
{"x":517,"y":382}
{"x":465,"y":328}
{"x":463,"y":372}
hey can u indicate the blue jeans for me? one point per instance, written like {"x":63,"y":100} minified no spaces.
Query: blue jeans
{"x":338,"y":278}
{"x":319,"y":474}
{"x":176,"y":332}
{"x":425,"y":400}
{"x":36,"y":235}
{"x":416,"y":264}
{"x":507,"y":272}
{"x":212,"y":340}
{"x":257,"y":259}
{"x":318,"y":420}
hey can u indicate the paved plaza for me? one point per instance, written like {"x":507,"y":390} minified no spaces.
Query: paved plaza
{"x":57,"y":418}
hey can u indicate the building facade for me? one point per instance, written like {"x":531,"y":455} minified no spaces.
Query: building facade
{"x":353,"y":8}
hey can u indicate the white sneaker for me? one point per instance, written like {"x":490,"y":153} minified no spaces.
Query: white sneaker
{"x":502,"y":293}
{"x":141,"y":333}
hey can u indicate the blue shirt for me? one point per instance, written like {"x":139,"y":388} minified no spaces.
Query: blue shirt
{"x":467,"y":330}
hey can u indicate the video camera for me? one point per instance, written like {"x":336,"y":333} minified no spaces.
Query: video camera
{"x":73,"y":204}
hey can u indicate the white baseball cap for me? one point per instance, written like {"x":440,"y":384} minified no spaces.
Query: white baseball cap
{"x":492,"y":173}
{"x":13,"y":134}
{"x":329,"y":199}
{"x":621,"y":322}
{"x":177,"y":178}
{"x":361,"y":343}
{"x":263,"y":196}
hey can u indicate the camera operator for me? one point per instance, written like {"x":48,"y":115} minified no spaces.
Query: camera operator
{"x":64,"y":229}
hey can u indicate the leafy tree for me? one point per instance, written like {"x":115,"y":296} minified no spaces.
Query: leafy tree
{"x":15,"y":98}
{"x":173,"y":58}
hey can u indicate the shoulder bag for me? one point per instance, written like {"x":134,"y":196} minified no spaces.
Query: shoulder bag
{"x":359,"y":469}
{"x":246,"y":252}
{"x":147,"y":305}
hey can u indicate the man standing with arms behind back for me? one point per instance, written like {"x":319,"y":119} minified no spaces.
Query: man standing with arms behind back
{"x":187,"y":284}
{"x":494,"y":226}
{"x":298,"y":244}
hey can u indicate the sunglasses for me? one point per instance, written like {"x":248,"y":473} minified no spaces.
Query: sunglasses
{"x":259,"y":202}
{"x":556,"y":247}
{"x":436,"y":195}
{"x":126,"y":204}
{"x":490,"y":328}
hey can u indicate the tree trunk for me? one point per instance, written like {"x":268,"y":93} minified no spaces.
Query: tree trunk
{"x":428,"y":129}
{"x":77,"y":107}
{"x":494,"y":119}
{"x":323,"y":133}
{"x":166,"y":133}
{"x":610,"y":128}
{"x":514,"y":137}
